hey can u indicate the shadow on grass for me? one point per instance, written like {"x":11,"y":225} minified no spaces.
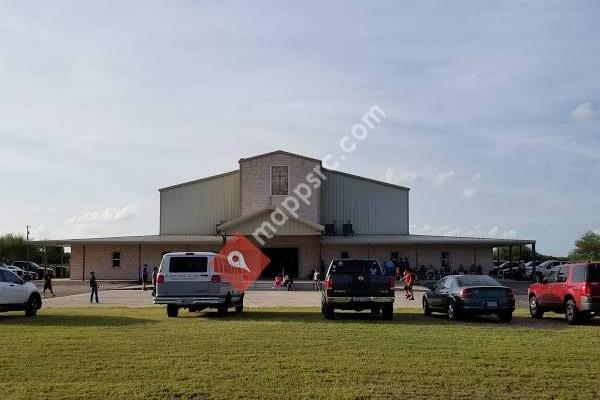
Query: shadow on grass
{"x":71,"y":320}
{"x":401,"y":318}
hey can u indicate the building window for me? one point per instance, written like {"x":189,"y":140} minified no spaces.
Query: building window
{"x":445,"y":259}
{"x":280,"y":178}
{"x":116,"y":259}
{"x":345,"y":255}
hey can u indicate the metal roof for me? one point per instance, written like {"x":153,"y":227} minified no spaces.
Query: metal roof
{"x":199,"y":180}
{"x":267,"y":210}
{"x":287,"y":153}
{"x":149,"y":239}
{"x":420,"y":239}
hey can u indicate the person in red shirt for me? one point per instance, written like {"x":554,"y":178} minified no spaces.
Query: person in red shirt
{"x":408,"y":279}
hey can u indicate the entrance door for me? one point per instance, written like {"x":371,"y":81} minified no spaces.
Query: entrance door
{"x":283,"y":259}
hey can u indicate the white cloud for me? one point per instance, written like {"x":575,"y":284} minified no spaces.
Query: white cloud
{"x":583,"y":113}
{"x":106,"y":215}
{"x":442,"y":178}
{"x":469,"y":193}
{"x":406,"y":178}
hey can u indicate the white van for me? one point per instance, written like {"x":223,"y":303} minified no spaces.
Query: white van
{"x":187,"y":280}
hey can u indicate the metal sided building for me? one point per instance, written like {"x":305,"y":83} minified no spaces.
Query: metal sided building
{"x":328,"y":214}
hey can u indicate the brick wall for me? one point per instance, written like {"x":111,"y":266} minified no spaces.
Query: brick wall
{"x":256,"y":184}
{"x":98,"y":258}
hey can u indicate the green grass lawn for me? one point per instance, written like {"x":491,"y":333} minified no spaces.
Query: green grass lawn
{"x":92,"y":353}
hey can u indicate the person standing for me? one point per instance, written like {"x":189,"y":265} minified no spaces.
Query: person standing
{"x":315,"y":280}
{"x":94,"y":287}
{"x":154,"y":275}
{"x":144,"y":276}
{"x":409,"y":279}
{"x":48,"y":283}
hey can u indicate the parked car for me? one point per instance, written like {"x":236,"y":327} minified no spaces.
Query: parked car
{"x":358,"y":284}
{"x":541,"y":270}
{"x":15,"y":270}
{"x":572,"y":289}
{"x":459,"y":295}
{"x":187,"y":280}
{"x":514,"y":270}
{"x":16,"y":294}
{"x":35,"y":270}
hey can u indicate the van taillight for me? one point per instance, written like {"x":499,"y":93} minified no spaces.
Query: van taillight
{"x":465,"y":294}
{"x":216,"y":279}
{"x":392,"y":282}
{"x":586,"y":289}
{"x":329,"y":283}
{"x":160,"y":278}
{"x":510,"y":293}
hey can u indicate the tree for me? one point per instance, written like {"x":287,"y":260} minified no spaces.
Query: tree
{"x":586,"y":248}
{"x":14,"y":248}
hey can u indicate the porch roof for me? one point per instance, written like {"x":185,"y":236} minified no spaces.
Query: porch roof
{"x":420,"y":240}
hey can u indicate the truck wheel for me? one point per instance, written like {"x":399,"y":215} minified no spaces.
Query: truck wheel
{"x":571,"y":314}
{"x":387,"y":312}
{"x":534,"y":308}
{"x":328,"y":311}
{"x":172,"y":310}
{"x":33,"y":305}
{"x":222,"y":311}
{"x":239,"y":308}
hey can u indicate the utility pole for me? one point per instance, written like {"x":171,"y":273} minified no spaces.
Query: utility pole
{"x":28,"y":231}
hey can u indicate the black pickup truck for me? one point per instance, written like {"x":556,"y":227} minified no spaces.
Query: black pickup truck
{"x":358,"y":284}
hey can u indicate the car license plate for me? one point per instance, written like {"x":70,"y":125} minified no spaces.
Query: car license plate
{"x":492,"y":304}
{"x":361,"y":299}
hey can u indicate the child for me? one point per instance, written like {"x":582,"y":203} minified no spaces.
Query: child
{"x":408,"y":284}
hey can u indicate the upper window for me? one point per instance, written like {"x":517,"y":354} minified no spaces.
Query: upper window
{"x":116,"y":259}
{"x":280,"y":179}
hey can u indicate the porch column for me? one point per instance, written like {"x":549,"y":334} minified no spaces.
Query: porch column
{"x":83,"y":265}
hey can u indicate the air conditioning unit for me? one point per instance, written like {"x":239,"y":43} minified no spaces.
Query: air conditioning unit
{"x":330,"y":230}
{"x":347,"y":229}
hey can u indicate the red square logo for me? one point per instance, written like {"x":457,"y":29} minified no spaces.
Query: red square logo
{"x":240,"y":262}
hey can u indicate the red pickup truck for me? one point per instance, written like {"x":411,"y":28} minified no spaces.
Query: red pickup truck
{"x":573,"y":289}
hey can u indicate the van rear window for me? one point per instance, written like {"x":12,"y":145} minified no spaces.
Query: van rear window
{"x":355,"y":267}
{"x":188,"y":264}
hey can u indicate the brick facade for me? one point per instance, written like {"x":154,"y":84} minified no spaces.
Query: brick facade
{"x":98,"y":258}
{"x":256,"y":184}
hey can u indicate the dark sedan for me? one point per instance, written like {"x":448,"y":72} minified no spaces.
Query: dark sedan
{"x":460,"y":295}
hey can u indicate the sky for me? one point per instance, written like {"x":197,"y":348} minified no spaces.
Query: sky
{"x":492,"y":110}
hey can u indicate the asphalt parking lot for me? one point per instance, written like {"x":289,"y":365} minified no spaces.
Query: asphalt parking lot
{"x":123,"y":294}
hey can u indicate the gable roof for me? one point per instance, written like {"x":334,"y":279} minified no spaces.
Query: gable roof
{"x":287,"y":153}
{"x":241,"y":221}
